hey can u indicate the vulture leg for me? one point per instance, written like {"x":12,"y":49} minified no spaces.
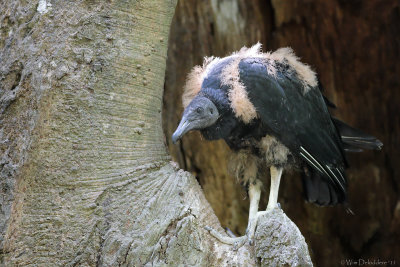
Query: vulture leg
{"x":254,"y":193}
{"x":272,"y":202}
{"x":274,"y":189}
{"x":237,"y":242}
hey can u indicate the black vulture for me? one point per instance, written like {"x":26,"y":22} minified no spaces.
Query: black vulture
{"x":269,"y":109}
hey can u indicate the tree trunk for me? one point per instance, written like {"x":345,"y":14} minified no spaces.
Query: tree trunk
{"x":85,"y":176}
{"x":354,"y":47}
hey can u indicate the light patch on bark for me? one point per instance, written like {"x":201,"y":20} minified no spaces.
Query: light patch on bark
{"x":229,"y":18}
{"x":43,"y":6}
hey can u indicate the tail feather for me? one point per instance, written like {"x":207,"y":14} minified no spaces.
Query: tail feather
{"x":350,"y":148}
{"x":355,"y":140}
{"x":320,"y":191}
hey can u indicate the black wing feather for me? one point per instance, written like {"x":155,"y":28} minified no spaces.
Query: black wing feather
{"x":299,"y":120}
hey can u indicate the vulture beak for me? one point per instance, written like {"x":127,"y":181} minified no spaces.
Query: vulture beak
{"x":184,"y":127}
{"x":199,"y":114}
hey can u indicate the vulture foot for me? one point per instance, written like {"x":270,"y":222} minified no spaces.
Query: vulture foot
{"x":238,"y":242}
{"x":251,"y":227}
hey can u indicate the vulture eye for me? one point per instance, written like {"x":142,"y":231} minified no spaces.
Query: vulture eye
{"x":199,"y":110}
{"x":211,"y":111}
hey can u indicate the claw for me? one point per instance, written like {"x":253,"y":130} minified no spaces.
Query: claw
{"x":239,"y":243}
{"x":251,"y":242}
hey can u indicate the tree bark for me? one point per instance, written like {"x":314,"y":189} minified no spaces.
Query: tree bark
{"x":354,"y":47}
{"x":85,"y":176}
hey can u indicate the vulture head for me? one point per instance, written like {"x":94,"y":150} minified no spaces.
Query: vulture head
{"x":199,"y":114}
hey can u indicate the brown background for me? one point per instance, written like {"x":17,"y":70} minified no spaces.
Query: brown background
{"x":355,"y":48}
